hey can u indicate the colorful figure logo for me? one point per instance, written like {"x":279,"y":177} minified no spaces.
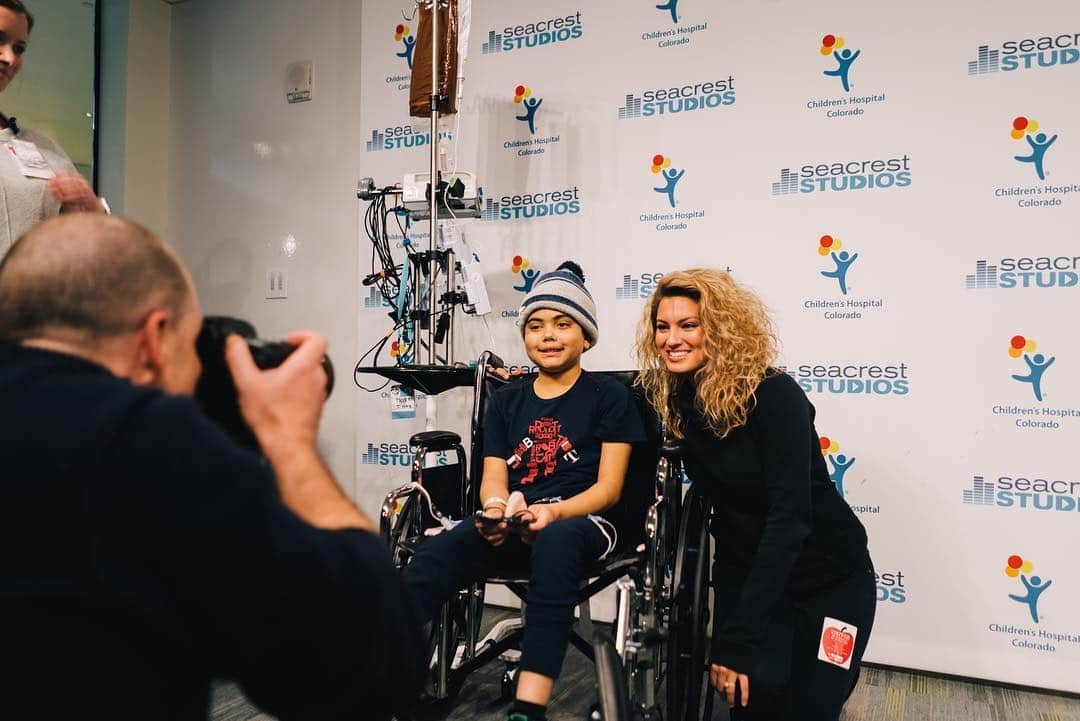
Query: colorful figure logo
{"x":399,"y":351}
{"x":672,"y":7}
{"x":840,"y":463}
{"x":1017,"y":566}
{"x":528,"y":275}
{"x":662,"y":166}
{"x":828,"y":245}
{"x":1037,"y":364}
{"x":1025,"y":128}
{"x":830,"y":45}
{"x":405,"y":36}
{"x":523,"y":96}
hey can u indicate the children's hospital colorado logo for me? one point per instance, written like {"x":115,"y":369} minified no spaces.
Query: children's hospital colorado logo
{"x":407,"y":42}
{"x":678,"y":23}
{"x":839,"y":461}
{"x":836,"y":267}
{"x":1031,"y":369}
{"x":1031,"y":144}
{"x":846,"y":104}
{"x":540,"y":204}
{"x":837,"y":176}
{"x":1041,"y":53}
{"x":526,"y":106}
{"x":676,"y":99}
{"x":1024,"y":493}
{"x":673,"y":217}
{"x":539,"y":33}
{"x":524,"y":274}
{"x":1029,"y":627}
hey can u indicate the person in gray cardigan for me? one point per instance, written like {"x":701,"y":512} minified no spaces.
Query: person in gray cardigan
{"x":37,"y":179}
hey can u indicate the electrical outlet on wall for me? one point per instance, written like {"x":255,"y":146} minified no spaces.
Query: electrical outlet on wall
{"x":277,"y":285}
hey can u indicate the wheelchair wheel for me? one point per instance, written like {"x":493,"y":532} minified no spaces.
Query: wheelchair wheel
{"x":406,"y":532}
{"x":687,"y":671}
{"x":614,"y":701}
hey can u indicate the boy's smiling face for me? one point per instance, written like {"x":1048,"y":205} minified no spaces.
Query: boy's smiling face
{"x":554,"y":341}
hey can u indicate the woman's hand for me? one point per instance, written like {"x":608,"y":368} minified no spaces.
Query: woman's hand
{"x":72,"y":191}
{"x":725,"y":681}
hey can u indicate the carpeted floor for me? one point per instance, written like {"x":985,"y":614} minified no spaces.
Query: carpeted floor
{"x":882,"y":695}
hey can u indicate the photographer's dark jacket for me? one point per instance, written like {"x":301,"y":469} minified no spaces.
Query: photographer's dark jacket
{"x":142,"y":554}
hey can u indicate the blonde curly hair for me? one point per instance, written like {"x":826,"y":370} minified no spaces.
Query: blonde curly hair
{"x":740,"y":347}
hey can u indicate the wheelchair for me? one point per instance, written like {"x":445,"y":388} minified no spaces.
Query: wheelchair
{"x":660,"y":568}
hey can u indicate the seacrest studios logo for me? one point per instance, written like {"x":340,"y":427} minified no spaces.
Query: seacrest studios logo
{"x":1030,"y":369}
{"x":401,"y":137}
{"x":636,"y":286}
{"x":541,"y":204}
{"x":840,"y":60}
{"x":677,"y":29}
{"x":1030,"y":146}
{"x":837,"y":264}
{"x":545,"y":32}
{"x":852,"y":379}
{"x":526,"y":106}
{"x":394,"y":454}
{"x":676,"y":99}
{"x":1022,"y":492}
{"x":890,"y":587}
{"x":666,"y":179}
{"x":838,"y":176}
{"x":1047,"y":51}
{"x":374,"y":299}
{"x":1024,"y":272}
{"x":1026,"y":587}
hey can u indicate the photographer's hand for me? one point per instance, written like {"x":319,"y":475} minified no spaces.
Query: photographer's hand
{"x":282,"y":406}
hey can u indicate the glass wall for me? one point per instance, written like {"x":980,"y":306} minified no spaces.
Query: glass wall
{"x":54,"y":91}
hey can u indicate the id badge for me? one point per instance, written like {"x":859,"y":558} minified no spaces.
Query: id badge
{"x":31,"y":162}
{"x":402,"y":403}
{"x":837,"y":642}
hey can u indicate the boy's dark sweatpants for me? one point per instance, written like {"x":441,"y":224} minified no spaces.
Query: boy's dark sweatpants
{"x":556,"y":562}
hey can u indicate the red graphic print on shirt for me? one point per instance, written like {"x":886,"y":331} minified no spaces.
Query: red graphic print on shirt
{"x":542,"y":447}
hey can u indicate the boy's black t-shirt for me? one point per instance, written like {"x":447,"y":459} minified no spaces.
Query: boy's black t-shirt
{"x":552,"y":445}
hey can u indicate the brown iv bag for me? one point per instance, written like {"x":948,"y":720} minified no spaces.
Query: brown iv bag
{"x":420,"y":89}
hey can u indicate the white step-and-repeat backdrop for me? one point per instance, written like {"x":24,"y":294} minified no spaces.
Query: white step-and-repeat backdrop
{"x":901,"y":182}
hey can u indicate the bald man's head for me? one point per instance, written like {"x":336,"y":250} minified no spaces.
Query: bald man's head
{"x":84,"y":278}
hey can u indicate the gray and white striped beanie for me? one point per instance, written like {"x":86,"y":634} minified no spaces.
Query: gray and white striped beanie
{"x":563,"y":289}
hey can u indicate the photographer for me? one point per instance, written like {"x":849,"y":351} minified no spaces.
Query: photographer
{"x":142,"y":553}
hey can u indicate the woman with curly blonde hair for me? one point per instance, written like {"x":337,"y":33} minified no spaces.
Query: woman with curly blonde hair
{"x":794,"y":586}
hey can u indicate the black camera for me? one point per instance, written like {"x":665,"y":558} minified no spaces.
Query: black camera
{"x":216,"y":392}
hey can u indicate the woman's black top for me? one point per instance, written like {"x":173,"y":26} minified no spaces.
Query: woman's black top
{"x":780,"y":524}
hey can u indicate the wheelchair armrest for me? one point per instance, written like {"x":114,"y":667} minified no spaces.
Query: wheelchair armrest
{"x":435,"y":441}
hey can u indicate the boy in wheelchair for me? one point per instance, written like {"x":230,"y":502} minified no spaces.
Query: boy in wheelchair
{"x":556,"y":449}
